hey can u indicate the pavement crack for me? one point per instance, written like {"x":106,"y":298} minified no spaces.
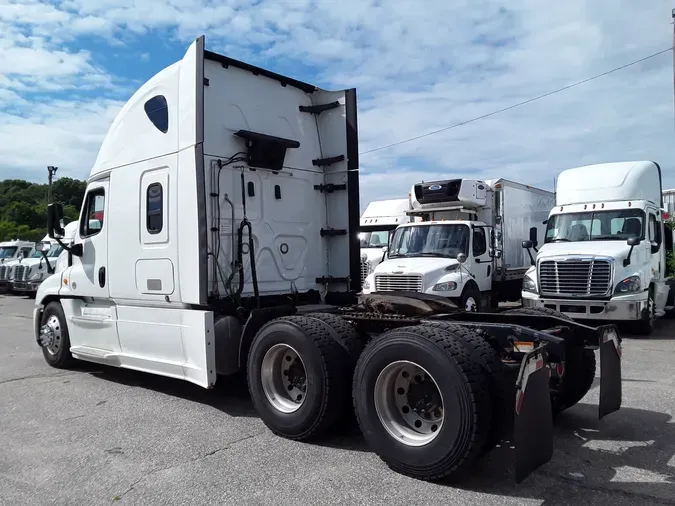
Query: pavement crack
{"x":35,"y":376}
{"x":191,"y":461}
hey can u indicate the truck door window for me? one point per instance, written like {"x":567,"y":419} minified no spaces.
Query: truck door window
{"x":154,"y":206}
{"x":479,"y":242}
{"x":375,"y":239}
{"x":92,"y":219}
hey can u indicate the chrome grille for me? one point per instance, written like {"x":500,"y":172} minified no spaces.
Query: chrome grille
{"x":365,"y":270}
{"x":4,"y":271}
{"x":575,"y":277}
{"x":398,"y":283}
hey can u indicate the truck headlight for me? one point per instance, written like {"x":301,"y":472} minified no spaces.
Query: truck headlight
{"x":529,"y":285}
{"x":37,"y":276}
{"x":629,"y":285}
{"x":447,"y":286}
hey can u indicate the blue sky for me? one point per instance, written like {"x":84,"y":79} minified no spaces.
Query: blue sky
{"x":66,"y":68}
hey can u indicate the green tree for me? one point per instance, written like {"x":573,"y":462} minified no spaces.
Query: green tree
{"x":23,"y":206}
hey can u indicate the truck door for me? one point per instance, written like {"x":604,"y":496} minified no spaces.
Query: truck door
{"x":482,"y":269}
{"x":658,"y":258}
{"x":92,"y":319}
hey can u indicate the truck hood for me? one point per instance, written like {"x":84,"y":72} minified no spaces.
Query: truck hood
{"x":414,"y":265}
{"x":616,"y":249}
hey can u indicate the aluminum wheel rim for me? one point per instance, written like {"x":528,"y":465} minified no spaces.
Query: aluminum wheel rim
{"x":54,"y":326}
{"x":284,"y":378}
{"x":411,"y":419}
{"x":470,"y":304}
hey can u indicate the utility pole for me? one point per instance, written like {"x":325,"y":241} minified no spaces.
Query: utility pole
{"x":52,"y":170}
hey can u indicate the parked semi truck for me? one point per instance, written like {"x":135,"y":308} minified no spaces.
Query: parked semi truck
{"x":604,"y":255}
{"x":468,"y":246}
{"x":380,"y":218}
{"x":27,"y":276}
{"x":11,"y":254}
{"x":218,"y":234}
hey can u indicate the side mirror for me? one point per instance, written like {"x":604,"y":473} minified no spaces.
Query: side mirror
{"x":533,"y":237}
{"x":526,"y":246}
{"x":461,"y":258}
{"x":43,"y":246}
{"x":632,"y":242}
{"x":55,"y":221}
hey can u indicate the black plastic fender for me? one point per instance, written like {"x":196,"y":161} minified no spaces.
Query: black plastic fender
{"x":610,"y":371}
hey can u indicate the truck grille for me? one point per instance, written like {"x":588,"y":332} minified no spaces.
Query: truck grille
{"x":4,"y":272}
{"x":398,"y":283}
{"x":575,"y":277}
{"x":365,"y":270}
{"x":20,"y":272}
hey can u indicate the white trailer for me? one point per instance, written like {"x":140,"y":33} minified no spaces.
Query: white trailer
{"x":218,"y":234}
{"x":379,"y":219}
{"x":468,"y":246}
{"x":604,"y":256}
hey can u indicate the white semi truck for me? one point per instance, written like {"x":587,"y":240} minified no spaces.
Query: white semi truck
{"x":380,"y":218}
{"x":11,"y":254}
{"x":468,"y":246}
{"x":604,"y":255}
{"x":27,"y":276}
{"x":218,"y":234}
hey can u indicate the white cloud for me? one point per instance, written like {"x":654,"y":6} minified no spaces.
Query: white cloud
{"x":416,"y":70}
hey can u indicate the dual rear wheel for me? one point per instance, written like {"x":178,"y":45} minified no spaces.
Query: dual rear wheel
{"x":423,"y":396}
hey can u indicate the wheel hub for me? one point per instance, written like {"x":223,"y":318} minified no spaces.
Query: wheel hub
{"x":50,"y":335}
{"x":284,"y":378}
{"x":409,"y":403}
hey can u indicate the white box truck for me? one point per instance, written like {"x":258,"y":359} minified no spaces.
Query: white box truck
{"x":379,"y":219}
{"x":218,"y":234}
{"x":468,"y":246}
{"x":604,"y":255}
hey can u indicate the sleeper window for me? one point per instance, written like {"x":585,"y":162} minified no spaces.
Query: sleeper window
{"x":157,"y":111}
{"x":155,"y":197}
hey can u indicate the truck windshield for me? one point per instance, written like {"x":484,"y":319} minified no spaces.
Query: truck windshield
{"x":430,"y":240}
{"x":374,"y":239}
{"x":35,"y":254}
{"x":7,"y":251}
{"x":617,"y":225}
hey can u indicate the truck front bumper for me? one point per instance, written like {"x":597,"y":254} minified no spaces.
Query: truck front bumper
{"x":624,"y":308}
{"x":25,"y":286}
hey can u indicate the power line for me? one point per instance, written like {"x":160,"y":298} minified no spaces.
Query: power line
{"x":539,"y":97}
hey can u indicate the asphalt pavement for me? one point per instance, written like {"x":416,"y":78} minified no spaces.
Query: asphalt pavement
{"x":97,"y":435}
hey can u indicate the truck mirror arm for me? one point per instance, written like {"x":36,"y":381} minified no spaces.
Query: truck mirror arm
{"x":632,"y":242}
{"x":75,"y":249}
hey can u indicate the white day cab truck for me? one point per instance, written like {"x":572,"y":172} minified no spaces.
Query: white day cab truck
{"x":604,"y":255}
{"x":378,"y":221}
{"x":11,"y":254}
{"x":468,"y":245}
{"x":27,"y":276}
{"x":219,"y":234}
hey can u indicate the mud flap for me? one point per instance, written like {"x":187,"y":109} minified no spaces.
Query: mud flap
{"x":610,"y":372}
{"x":533,"y":419}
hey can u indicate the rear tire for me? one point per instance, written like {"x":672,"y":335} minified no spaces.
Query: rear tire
{"x":58,"y":355}
{"x":441,"y":445}
{"x":343,"y":333}
{"x":580,"y":365}
{"x":298,"y":377}
{"x":476,"y":341}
